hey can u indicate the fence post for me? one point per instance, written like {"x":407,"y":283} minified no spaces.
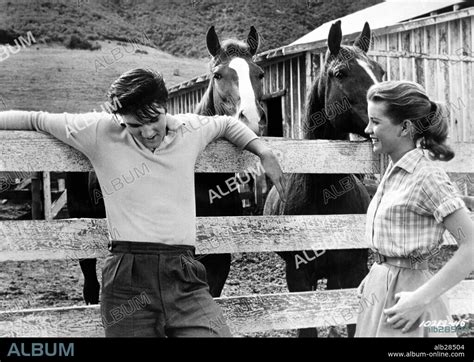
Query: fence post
{"x":36,"y":198}
{"x":47,"y":195}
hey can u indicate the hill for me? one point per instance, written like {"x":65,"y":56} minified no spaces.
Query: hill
{"x":176,"y":27}
{"x":56,"y":79}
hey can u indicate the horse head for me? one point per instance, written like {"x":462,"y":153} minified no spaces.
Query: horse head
{"x":235,"y":87}
{"x":338,"y":101}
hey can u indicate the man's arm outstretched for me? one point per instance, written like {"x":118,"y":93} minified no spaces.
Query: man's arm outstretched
{"x":76,"y":130}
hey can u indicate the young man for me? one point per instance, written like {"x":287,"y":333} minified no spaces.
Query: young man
{"x":144,"y":159}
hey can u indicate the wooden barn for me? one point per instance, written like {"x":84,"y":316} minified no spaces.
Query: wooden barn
{"x":429,"y":42}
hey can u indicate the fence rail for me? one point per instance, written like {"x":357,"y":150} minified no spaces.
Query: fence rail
{"x":33,"y":152}
{"x":244,"y":314}
{"x":87,"y":238}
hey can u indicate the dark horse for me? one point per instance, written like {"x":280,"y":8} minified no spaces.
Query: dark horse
{"x":235,"y":89}
{"x":345,"y":77}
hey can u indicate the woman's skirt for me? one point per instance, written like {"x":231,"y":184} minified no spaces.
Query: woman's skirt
{"x":381,"y":285}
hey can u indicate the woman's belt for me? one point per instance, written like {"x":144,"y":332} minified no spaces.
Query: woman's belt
{"x":409,"y":263}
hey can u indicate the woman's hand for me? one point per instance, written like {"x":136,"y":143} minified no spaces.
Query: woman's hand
{"x":405,"y":312}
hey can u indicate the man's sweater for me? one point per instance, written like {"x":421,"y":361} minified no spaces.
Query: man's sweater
{"x":148,"y":197}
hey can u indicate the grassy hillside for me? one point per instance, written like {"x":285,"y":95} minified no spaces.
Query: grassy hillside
{"x":58,"y":79}
{"x":177,"y":27}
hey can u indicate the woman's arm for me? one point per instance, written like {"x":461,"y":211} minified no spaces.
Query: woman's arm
{"x":410,"y":305}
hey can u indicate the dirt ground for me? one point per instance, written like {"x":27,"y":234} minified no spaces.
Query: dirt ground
{"x":59,"y":282}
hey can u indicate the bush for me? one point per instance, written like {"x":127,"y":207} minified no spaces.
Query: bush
{"x":75,"y":42}
{"x":8,"y":36}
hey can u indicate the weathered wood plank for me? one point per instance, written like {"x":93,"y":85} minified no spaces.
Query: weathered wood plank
{"x":301,"y":94}
{"x":32,"y":151}
{"x":79,"y":238}
{"x":244,"y":315}
{"x":410,"y":54}
{"x":293,"y":96}
{"x":418,"y":40}
{"x":47,"y":196}
{"x":273,"y":78}
{"x":58,"y":204}
{"x":420,"y":71}
{"x":394,"y":68}
{"x":82,"y":238}
{"x":280,"y":82}
{"x":406,"y":64}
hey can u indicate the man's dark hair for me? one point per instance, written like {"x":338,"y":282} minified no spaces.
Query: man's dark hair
{"x":137,"y":90}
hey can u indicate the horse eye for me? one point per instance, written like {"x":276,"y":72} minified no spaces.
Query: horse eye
{"x":261,"y":76}
{"x":339,"y":74}
{"x":217,"y":76}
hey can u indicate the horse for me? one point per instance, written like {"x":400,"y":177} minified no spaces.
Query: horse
{"x":82,"y":202}
{"x":344,"y":78}
{"x":235,"y":89}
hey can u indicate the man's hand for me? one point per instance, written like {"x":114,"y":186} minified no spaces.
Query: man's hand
{"x":273,"y":170}
{"x":270,"y":164}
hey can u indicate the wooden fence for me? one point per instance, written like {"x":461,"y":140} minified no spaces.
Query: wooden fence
{"x":80,"y":238}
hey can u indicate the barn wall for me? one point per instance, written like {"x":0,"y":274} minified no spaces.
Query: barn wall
{"x":186,"y":99}
{"x":288,"y":75}
{"x":440,"y":57}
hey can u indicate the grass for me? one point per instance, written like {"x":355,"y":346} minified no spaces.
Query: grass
{"x":56,"y":79}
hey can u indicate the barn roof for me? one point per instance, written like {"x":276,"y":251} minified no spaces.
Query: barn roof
{"x":384,"y":14}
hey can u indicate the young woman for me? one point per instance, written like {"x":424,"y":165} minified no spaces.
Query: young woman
{"x":152,"y":286}
{"x":414,"y":204}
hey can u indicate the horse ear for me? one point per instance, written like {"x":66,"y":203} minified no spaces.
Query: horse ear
{"x":252,"y":40}
{"x":335,"y":38}
{"x":212,"y":39}
{"x":363,"y":40}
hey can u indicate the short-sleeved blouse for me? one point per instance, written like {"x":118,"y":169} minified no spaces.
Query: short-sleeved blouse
{"x":406,"y":213}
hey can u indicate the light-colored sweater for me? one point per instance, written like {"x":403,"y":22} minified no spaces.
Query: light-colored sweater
{"x":149,"y":197}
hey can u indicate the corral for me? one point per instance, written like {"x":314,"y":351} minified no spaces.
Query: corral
{"x":434,"y":51}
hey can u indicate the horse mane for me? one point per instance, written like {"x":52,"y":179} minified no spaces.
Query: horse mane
{"x":230,"y":48}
